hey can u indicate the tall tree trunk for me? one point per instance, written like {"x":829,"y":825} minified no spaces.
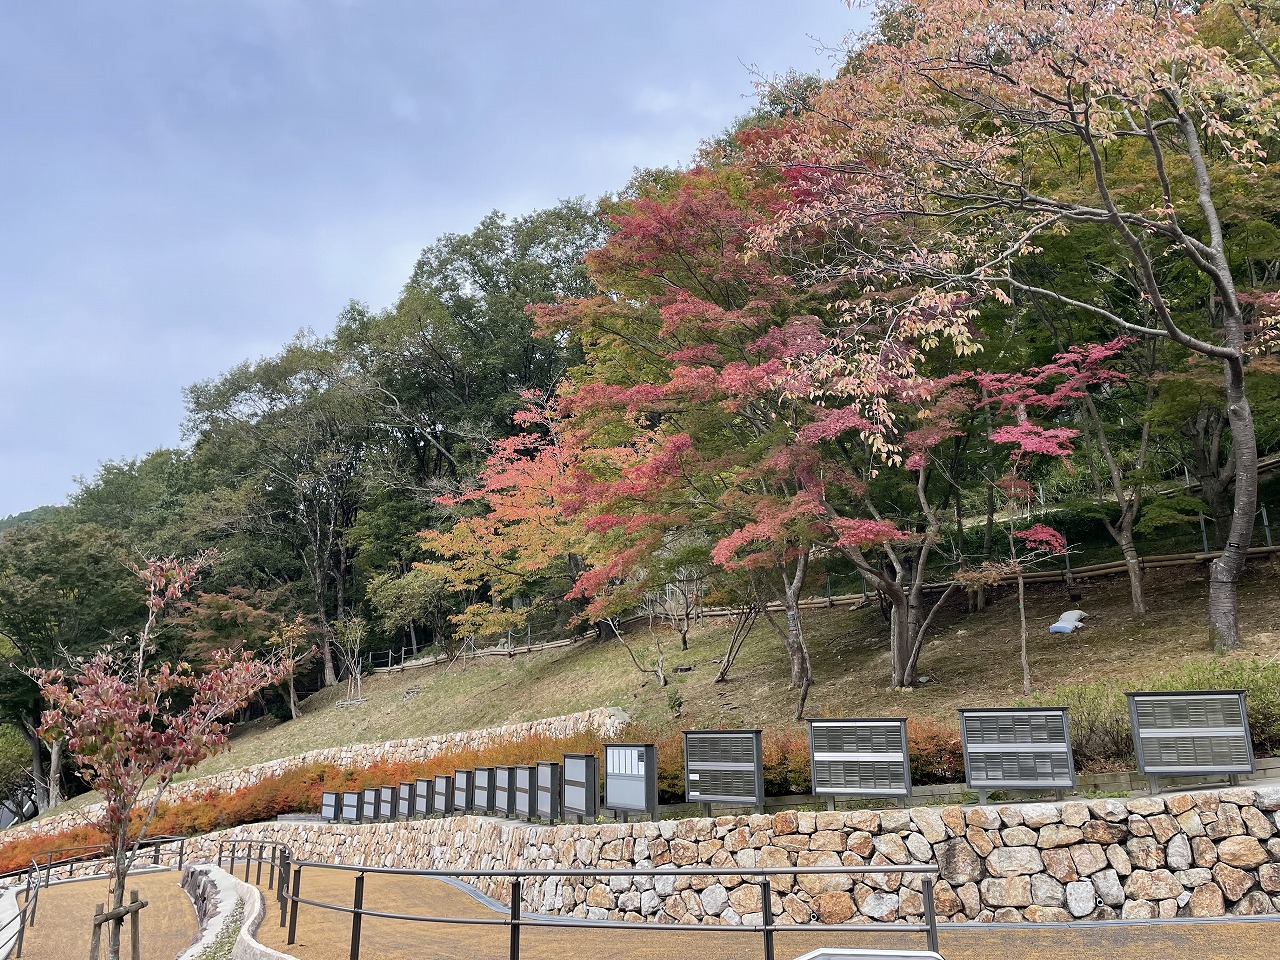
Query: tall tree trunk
{"x":1022,"y":616}
{"x":413,"y":639}
{"x":39,"y":785}
{"x":55,"y":773}
{"x":793,"y":638}
{"x":1124,"y":535}
{"x":1224,"y":572}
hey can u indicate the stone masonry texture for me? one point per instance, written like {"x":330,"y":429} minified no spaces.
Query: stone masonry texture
{"x":1210,"y":853}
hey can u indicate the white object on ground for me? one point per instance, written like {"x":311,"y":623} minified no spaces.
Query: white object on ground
{"x":1069,"y":622}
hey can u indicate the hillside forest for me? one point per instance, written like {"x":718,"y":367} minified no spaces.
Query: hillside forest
{"x":1002,"y":288}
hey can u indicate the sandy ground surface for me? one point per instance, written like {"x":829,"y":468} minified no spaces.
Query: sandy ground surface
{"x":326,"y":934}
{"x":64,"y":919}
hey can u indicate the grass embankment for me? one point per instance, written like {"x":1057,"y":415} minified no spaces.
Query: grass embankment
{"x":970,"y":660}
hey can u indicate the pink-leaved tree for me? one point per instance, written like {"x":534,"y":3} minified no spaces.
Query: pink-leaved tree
{"x":132,"y":725}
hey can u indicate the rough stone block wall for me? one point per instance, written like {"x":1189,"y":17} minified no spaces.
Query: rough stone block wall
{"x":1203,"y":854}
{"x":605,"y":721}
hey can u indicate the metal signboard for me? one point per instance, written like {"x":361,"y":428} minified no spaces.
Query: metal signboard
{"x":859,"y":758}
{"x":581,"y":795}
{"x":387,"y":802}
{"x":523,"y":792}
{"x":423,"y":798}
{"x":463,"y":790}
{"x":631,"y":779}
{"x":482,"y":802}
{"x":442,"y":791}
{"x":352,"y":807}
{"x":404,"y":801}
{"x":329,"y":806}
{"x":1024,"y":748}
{"x":368,"y":804}
{"x":723,"y":766}
{"x":504,"y":791}
{"x":548,"y":797}
{"x":1189,"y":734}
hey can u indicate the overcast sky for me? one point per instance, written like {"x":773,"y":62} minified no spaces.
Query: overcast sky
{"x":186,"y":183}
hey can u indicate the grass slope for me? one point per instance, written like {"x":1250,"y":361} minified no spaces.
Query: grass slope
{"x":971,"y":660}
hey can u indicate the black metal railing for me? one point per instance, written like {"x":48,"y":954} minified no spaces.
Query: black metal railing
{"x":287,"y":872}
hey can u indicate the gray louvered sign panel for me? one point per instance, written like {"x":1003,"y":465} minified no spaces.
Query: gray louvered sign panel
{"x":442,"y":794}
{"x":329,"y":806}
{"x":548,"y":796}
{"x":723,"y":766}
{"x":860,"y":757}
{"x":1021,"y":749}
{"x":463,"y":791}
{"x":523,"y":792}
{"x":504,"y":791}
{"x":483,"y":791}
{"x":351,"y":807}
{"x":1191,"y":733}
{"x":369,"y":803}
{"x":581,"y":795}
{"x":631,"y":778}
{"x":423,"y":798}
{"x":386,"y":803}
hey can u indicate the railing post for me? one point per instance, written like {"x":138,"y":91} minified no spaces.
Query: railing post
{"x":293,"y":909}
{"x":182,"y":852}
{"x":155,"y":854}
{"x":281,"y":887}
{"x":766,"y":913}
{"x":930,"y":916}
{"x":514,"y":952}
{"x":248,"y":859}
{"x":357,"y":913}
{"x":48,"y":867}
{"x":219,"y":854}
{"x":257,"y":876}
{"x":275,"y":866}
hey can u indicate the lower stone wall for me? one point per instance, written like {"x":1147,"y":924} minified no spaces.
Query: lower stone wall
{"x":216,"y":895}
{"x":605,"y":721}
{"x":1204,"y":854}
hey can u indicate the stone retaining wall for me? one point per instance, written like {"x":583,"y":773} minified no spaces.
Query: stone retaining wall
{"x":605,"y":721}
{"x":1203,"y":854}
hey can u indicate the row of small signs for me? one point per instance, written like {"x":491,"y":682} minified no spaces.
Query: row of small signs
{"x":1175,"y":734}
{"x":519,"y":791}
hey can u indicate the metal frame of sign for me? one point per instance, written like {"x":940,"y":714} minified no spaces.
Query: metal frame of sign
{"x":700,"y":761}
{"x":580,"y":791}
{"x":463,"y":791}
{"x":483,"y":791}
{"x":1214,"y":738}
{"x":874,"y":760}
{"x":442,"y":795}
{"x":423,"y":798}
{"x":631,"y":768}
{"x":1043,"y":763}
{"x":404,"y":800}
{"x":525,"y":791}
{"x":549,"y":800}
{"x":329,"y":806}
{"x":352,"y":808}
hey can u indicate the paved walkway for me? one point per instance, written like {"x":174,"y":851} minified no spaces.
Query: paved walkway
{"x":64,"y":919}
{"x":326,"y":934}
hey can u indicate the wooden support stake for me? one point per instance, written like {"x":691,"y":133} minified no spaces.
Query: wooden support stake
{"x":135,"y":934}
{"x":96,"y":943}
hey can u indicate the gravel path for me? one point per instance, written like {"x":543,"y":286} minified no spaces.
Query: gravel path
{"x":326,"y":934}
